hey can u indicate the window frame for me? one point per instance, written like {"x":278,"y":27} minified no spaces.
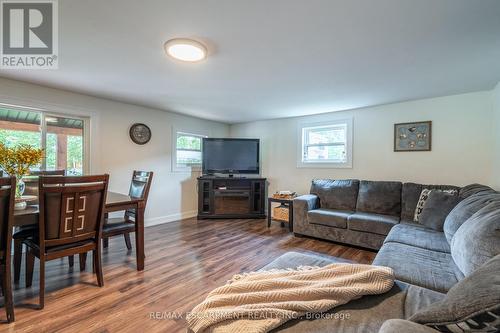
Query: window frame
{"x":44,"y":113}
{"x":302,"y":129}
{"x":183,"y":167}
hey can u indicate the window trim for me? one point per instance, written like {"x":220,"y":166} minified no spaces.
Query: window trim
{"x":185,"y":168}
{"x":44,"y":113}
{"x":86,"y":136}
{"x":348,"y":122}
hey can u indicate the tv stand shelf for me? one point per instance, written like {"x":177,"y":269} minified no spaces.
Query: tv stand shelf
{"x":224,"y":197}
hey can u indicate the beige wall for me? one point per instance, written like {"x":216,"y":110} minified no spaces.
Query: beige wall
{"x":461,"y":147}
{"x":173,"y":195}
{"x":496,"y":165}
{"x":466,"y":143}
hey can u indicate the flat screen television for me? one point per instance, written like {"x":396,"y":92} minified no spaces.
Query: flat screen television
{"x":230,"y":156}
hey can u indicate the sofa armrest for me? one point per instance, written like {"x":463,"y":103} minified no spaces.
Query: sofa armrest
{"x":307,"y":202}
{"x":301,"y":205}
{"x":400,"y":325}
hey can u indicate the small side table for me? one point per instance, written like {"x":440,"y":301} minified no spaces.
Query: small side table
{"x":285,"y":202}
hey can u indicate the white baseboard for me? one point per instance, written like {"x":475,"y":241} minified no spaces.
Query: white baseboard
{"x":170,"y":218}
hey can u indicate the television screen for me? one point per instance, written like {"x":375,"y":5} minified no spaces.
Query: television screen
{"x":230,"y":156}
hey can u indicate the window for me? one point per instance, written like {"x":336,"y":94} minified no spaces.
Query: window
{"x":187,"y":151}
{"x":61,"y":137}
{"x":325,"y":145}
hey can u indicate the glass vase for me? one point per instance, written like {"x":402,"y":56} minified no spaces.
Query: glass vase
{"x":20,"y":187}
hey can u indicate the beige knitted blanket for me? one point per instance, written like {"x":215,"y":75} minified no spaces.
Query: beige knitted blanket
{"x":260,"y":301}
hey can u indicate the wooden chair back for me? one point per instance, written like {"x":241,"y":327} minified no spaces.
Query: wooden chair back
{"x":32,"y":183}
{"x":7,"y":199}
{"x":139,"y":188}
{"x":71,"y":208}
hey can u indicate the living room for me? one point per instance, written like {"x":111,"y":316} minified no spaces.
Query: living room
{"x":336,"y":138}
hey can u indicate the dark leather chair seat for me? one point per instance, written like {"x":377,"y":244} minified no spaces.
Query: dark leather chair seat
{"x":118,"y":225}
{"x":26,"y":231}
{"x":34,"y":244}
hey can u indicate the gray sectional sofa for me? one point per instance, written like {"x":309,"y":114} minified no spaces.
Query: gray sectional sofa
{"x":406,"y":308}
{"x":360,"y":213}
{"x":446,"y":280}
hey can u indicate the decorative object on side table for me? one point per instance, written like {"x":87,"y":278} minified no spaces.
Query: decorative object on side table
{"x":415,"y":136}
{"x":22,"y":202}
{"x":283,"y":212}
{"x":16,"y":161}
{"x":140,"y":133}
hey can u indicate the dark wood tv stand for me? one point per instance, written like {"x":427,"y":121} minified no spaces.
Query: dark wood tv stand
{"x":231,"y":197}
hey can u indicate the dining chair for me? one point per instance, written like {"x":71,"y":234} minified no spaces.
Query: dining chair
{"x":27,"y":231}
{"x":139,"y":188}
{"x":70,"y":222}
{"x":7,"y":198}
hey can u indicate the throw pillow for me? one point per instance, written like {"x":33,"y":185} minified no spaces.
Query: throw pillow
{"x":472,"y":305}
{"x":436,"y":208}
{"x":424,"y":195}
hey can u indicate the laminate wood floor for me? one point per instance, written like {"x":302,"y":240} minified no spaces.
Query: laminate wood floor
{"x":184,"y":261}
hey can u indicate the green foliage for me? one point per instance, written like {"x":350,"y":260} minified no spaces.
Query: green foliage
{"x":51,"y":151}
{"x":75,"y":152}
{"x":13,"y":138}
{"x":188,"y":142}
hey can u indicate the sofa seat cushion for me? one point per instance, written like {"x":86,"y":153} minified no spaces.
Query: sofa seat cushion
{"x":329,"y":217}
{"x":429,"y":269}
{"x":336,"y":194}
{"x":379,"y":197}
{"x":473,"y":304}
{"x":418,"y":236}
{"x":373,"y":223}
{"x":366,"y":314}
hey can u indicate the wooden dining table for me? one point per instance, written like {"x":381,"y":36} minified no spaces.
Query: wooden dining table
{"x":115,"y":202}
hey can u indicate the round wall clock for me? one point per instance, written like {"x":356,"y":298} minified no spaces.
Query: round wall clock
{"x":140,"y":134}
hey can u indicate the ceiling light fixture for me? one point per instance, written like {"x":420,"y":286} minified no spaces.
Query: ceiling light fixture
{"x":185,"y":49}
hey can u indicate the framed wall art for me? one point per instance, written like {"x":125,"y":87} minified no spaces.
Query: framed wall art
{"x":416,"y":136}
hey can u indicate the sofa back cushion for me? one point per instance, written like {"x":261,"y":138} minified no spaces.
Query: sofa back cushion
{"x":472,"y":305}
{"x":410,"y":194}
{"x":471,"y":189}
{"x":465,"y":209}
{"x":478,"y":239}
{"x":379,"y":197}
{"x":336,"y":194}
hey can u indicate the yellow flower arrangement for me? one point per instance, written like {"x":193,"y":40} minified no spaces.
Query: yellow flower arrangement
{"x":18,"y":160}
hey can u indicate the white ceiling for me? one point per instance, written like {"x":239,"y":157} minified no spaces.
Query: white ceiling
{"x":275,"y":58}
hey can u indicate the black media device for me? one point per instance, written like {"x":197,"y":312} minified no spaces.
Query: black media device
{"x":230,"y":156}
